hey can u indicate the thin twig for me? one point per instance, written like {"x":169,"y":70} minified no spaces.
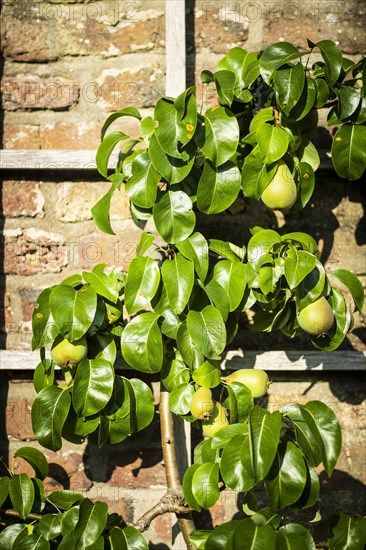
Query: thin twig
{"x":10,"y":512}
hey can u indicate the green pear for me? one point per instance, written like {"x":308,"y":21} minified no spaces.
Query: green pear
{"x":281,"y":193}
{"x":217,"y":421}
{"x":202,"y":404}
{"x":254,"y":379}
{"x":68,"y":354}
{"x":317,"y":318}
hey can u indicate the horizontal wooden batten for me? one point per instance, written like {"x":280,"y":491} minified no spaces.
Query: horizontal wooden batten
{"x":280,"y":361}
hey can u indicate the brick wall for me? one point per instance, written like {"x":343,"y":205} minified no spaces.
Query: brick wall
{"x":67,"y":65}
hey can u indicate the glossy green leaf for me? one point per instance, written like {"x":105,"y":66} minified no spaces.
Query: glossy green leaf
{"x":100,"y":211}
{"x":349,"y":100}
{"x":12,"y":535}
{"x":142,"y":186}
{"x":225,"y":84}
{"x":196,"y":248}
{"x":49,"y":412}
{"x":218,"y":187}
{"x":205,"y":484}
{"x":232,"y":468}
{"x":35,"y":541}
{"x":259,"y":245}
{"x":43,"y":326}
{"x":306,"y":431}
{"x":128,"y":538}
{"x":289,"y":83}
{"x":256,"y":174}
{"x":311,"y":287}
{"x":348,"y":151}
{"x":310,"y":494}
{"x":226,"y":250}
{"x":187,"y":348}
{"x":306,"y":101}
{"x":174,"y":217}
{"x":347,"y":533}
{"x":332,"y":56}
{"x":310,"y":155}
{"x":275,"y":56}
{"x":172,"y":169}
{"x":240,"y":402}
{"x":105,"y":283}
{"x":4,"y":489}
{"x":286,"y":479}
{"x":353,"y":284}
{"x":142,"y":283}
{"x":188,"y":487}
{"x":35,"y":458}
{"x":170,"y":324}
{"x":217,"y":135}
{"x":147,"y":126}
{"x":142,"y":345}
{"x":180,"y":399}
{"x":126,"y":111}
{"x":91,"y":524}
{"x":65,"y":499}
{"x":178,"y":278}
{"x":250,"y":536}
{"x":21,"y":492}
{"x":218,"y":298}
{"x":223,"y":436}
{"x":73,"y":310}
{"x":105,"y":150}
{"x":272,"y":141}
{"x":241,"y":64}
{"x":294,"y":537}
{"x":174,"y":372}
{"x":231,"y":277}
{"x":93,"y":386}
{"x":207,"y":330}
{"x":199,"y":538}
{"x":146,"y":240}
{"x":207,"y":375}
{"x":297,"y":265}
{"x":50,"y":526}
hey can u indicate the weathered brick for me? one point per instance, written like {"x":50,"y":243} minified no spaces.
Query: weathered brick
{"x":18,"y":419}
{"x":6,"y":313}
{"x":218,"y":27}
{"x":136,"y":474}
{"x":27,"y":41}
{"x":22,"y":198}
{"x":21,"y":136}
{"x":33,"y":251}
{"x":28,"y":298}
{"x":27,"y":91}
{"x":76,"y":199}
{"x":70,"y":136}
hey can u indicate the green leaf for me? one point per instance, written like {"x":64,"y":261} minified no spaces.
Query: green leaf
{"x":43,"y":326}
{"x":93,"y":386}
{"x":127,"y":111}
{"x":306,"y":101}
{"x":65,"y":499}
{"x":105,"y":150}
{"x":310,"y":494}
{"x":4,"y":489}
{"x":128,"y":538}
{"x":330,"y":433}
{"x":49,"y":412}
{"x":289,"y":83}
{"x":232,"y":468}
{"x":223,"y":436}
{"x":347,"y":533}
{"x":50,"y":526}
{"x":226,"y":250}
{"x":231,"y":277}
{"x":12,"y":535}
{"x":286,"y":479}
{"x":240,"y":401}
{"x":142,"y":345}
{"x":142,"y":283}
{"x":21,"y":492}
{"x":225,"y":83}
{"x":100,"y":211}
{"x":188,"y":487}
{"x":199,"y":538}
{"x":35,"y":458}
{"x":218,"y":298}
{"x":207,"y":375}
{"x":187,"y":348}
{"x":196,"y":248}
{"x":306,"y":431}
{"x":310,"y":155}
{"x":332,"y":56}
{"x":35,"y":541}
{"x":174,"y":217}
{"x":354,"y":286}
{"x":180,"y":399}
{"x":142,"y":186}
{"x":294,"y":537}
{"x":147,"y":126}
{"x":259,"y":245}
{"x":146,"y":240}
{"x":241,"y":64}
{"x":217,"y":135}
{"x":275,"y":56}
{"x":250,"y":536}
{"x":272,"y":141}
{"x":178,"y":278}
{"x":349,"y":100}
{"x":207,"y":330}
{"x":73,"y":310}
{"x":256,"y":174}
{"x":348,"y":151}
{"x":311,"y":287}
{"x":171,"y":168}
{"x":218,"y":187}
{"x":205,"y":484}
{"x":91,"y":524}
{"x":105,"y":284}
{"x":298,"y":264}
{"x":174,"y":372}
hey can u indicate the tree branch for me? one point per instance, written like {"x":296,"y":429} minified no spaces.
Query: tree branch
{"x":172,"y":501}
{"x":14,"y":514}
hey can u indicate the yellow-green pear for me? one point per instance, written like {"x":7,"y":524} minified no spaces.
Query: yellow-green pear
{"x":217,"y":421}
{"x":202,"y":404}
{"x":68,"y":354}
{"x":317,"y":318}
{"x":281,"y":193}
{"x":254,"y":379}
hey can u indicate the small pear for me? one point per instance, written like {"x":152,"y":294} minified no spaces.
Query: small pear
{"x":202,"y":404}
{"x":317,"y":318}
{"x":281,"y":193}
{"x":68,"y":354}
{"x":217,"y":421}
{"x":254,"y":379}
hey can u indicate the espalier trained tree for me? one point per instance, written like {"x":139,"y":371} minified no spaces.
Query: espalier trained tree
{"x":175,"y":314}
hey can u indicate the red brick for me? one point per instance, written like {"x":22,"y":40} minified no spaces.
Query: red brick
{"x":135,"y":475}
{"x":27,"y":40}
{"x":28,"y":91}
{"x":163,"y":527}
{"x":217,"y":29}
{"x":28,"y":297}
{"x":70,"y":136}
{"x":21,"y":136}
{"x":6,"y":312}
{"x":22,"y":198}
{"x":34,"y":251}
{"x":18,"y":419}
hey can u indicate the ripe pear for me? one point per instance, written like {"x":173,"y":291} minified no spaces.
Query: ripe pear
{"x":217,"y":421}
{"x":68,"y":354}
{"x":281,"y":193}
{"x":254,"y":379}
{"x":202,"y":404}
{"x":317,"y":318}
